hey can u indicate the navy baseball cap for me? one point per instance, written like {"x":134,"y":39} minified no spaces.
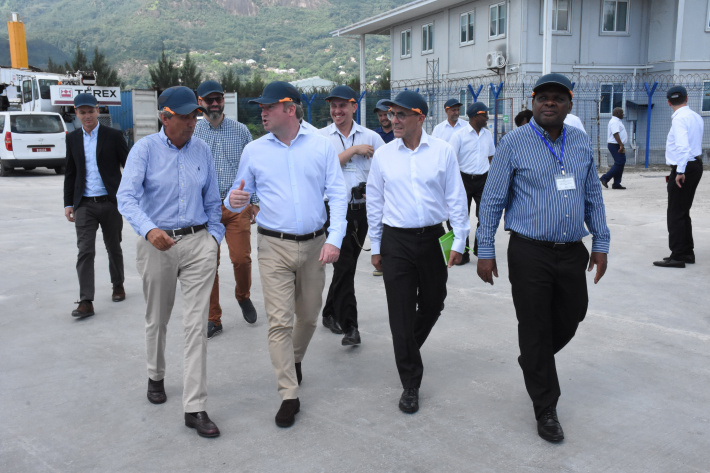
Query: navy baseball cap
{"x":475,"y":108}
{"x":410,"y":100}
{"x":179,"y":100}
{"x":209,"y":87}
{"x":343,"y":92}
{"x":278,"y":91}
{"x":452,"y":103}
{"x":675,"y":92}
{"x":85,"y":99}
{"x":381,"y":106}
{"x":557,"y":79}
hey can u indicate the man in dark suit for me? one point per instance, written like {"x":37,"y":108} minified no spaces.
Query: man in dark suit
{"x":95,"y":155}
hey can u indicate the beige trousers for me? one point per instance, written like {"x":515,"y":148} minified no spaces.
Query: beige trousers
{"x":292,"y":280}
{"x":192,"y":261}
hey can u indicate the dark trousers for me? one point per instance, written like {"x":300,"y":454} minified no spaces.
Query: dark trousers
{"x":341,"y":302}
{"x":88,"y":217}
{"x":415,"y":284}
{"x":617,"y":169}
{"x":473,"y":184}
{"x":680,"y":200}
{"x":549,"y":289}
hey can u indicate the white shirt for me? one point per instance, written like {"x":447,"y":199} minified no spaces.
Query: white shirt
{"x":416,"y":188}
{"x":573,"y":120}
{"x":444,"y":130}
{"x":308,"y":127}
{"x":472,"y":149}
{"x":616,"y":126}
{"x":356,"y":170}
{"x":290,"y":182}
{"x":684,"y":141}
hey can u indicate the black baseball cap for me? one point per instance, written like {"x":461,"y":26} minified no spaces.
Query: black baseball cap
{"x":209,"y":87}
{"x":554,"y":78}
{"x":179,"y":100}
{"x":410,"y":100}
{"x":452,"y":103}
{"x":675,"y":92}
{"x":381,"y":106}
{"x":343,"y":92}
{"x":278,"y":91}
{"x":85,"y":99}
{"x":475,"y":108}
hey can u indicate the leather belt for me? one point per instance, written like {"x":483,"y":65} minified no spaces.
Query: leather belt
{"x":185,"y":231}
{"x":358,"y":206}
{"x":546,"y":244}
{"x":417,"y":231}
{"x":289,"y":236}
{"x":100,"y":198}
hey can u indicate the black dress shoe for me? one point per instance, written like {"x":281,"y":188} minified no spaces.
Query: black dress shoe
{"x":687,"y":259}
{"x":465,"y":258}
{"x":156,"y":391}
{"x":287,"y":412}
{"x":604,"y":183}
{"x":119,"y":294}
{"x":409,"y":402}
{"x":619,"y":187}
{"x":332,"y":324}
{"x":85,"y":309}
{"x":669,"y":263}
{"x":352,"y":337}
{"x":248,"y":310}
{"x":548,"y":427}
{"x":299,"y":376}
{"x":201,"y":422}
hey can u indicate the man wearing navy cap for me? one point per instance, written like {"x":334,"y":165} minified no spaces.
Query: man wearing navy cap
{"x":684,"y":155}
{"x":544,"y":176}
{"x":385,"y":129}
{"x":414,"y":185}
{"x":452,"y":124}
{"x":170,"y":196}
{"x":95,"y":156}
{"x":474,"y":149}
{"x":226,"y":139}
{"x":291,"y":169}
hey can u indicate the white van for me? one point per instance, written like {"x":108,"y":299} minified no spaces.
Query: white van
{"x":32,"y":139}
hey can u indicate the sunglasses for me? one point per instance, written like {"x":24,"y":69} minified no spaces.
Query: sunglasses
{"x":211,"y":100}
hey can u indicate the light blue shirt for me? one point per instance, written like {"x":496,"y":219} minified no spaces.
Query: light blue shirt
{"x":94,"y":184}
{"x":291,"y":181}
{"x":522,"y":181}
{"x":169,"y":188}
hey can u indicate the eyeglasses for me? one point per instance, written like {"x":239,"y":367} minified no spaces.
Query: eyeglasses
{"x":400,"y":115}
{"x":211,"y":100}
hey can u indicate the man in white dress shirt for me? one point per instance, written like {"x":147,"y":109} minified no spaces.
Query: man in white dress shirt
{"x":616,"y":137}
{"x":452,"y":124}
{"x":414,"y":185}
{"x":573,"y":120}
{"x":290,"y":170}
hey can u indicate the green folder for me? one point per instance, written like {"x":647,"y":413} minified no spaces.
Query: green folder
{"x":446,"y":241}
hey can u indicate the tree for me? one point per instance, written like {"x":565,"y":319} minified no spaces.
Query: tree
{"x":230,"y":82}
{"x":189,"y":75}
{"x":383,"y":83}
{"x":105,"y":74}
{"x":79,"y":62}
{"x":164,"y":74}
{"x":55,"y":67}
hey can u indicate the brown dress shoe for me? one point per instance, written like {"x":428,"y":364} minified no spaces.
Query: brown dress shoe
{"x":85,"y":309}
{"x":287,"y":412}
{"x":156,"y":391}
{"x":201,"y":422}
{"x":119,"y":293}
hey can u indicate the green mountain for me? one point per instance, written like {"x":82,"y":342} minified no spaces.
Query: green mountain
{"x":287,"y":39}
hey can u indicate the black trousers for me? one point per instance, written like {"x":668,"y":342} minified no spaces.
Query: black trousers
{"x":341,"y":302}
{"x":680,"y":200}
{"x":473,"y":184}
{"x":415,"y":277}
{"x":549,"y":289}
{"x":88,"y":217}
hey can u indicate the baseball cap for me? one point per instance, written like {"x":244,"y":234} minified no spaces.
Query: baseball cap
{"x":475,"y":108}
{"x":452,"y":103}
{"x":675,"y":92}
{"x":343,"y":92}
{"x":381,"y":106}
{"x":209,"y":87}
{"x":85,"y":99}
{"x":410,"y":100}
{"x":554,"y":78}
{"x":179,"y":100}
{"x":278,"y":91}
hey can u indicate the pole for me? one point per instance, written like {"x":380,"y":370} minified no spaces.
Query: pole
{"x":547,"y":38}
{"x":648,"y":117}
{"x":357,"y":113}
{"x":309,"y":102}
{"x":475,"y":94}
{"x":496,"y":92}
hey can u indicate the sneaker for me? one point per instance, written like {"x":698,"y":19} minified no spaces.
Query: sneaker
{"x":85,"y":309}
{"x":213,"y":330}
{"x":377,"y":273}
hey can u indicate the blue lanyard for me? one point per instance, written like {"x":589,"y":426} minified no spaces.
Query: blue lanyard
{"x":562,"y":152}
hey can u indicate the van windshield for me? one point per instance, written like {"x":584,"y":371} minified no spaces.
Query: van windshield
{"x":44,"y":87}
{"x":36,"y":124}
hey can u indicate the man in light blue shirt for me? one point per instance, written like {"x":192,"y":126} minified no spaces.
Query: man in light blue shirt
{"x":290,"y":170}
{"x":169,"y":195}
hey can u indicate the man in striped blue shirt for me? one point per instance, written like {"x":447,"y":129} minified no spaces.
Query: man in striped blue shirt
{"x":543,"y":175}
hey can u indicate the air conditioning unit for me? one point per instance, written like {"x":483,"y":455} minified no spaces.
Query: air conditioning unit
{"x":495,"y":60}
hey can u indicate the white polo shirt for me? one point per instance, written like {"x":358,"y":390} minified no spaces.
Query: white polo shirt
{"x":444,"y":130}
{"x":472,"y":149}
{"x":616,"y":126}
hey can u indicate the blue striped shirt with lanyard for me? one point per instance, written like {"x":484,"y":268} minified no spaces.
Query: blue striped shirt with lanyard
{"x":549,"y":190}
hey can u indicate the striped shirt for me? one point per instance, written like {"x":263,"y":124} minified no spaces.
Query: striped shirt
{"x":521,"y":180}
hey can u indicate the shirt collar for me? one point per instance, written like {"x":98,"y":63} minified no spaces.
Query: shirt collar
{"x":356,"y":128}
{"x":423,"y":141}
{"x":94,"y":133}
{"x":543,"y":132}
{"x":301,"y":131}
{"x":164,"y":138}
{"x":681,"y":109}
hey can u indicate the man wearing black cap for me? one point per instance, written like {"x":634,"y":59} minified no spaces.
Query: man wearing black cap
{"x":290,"y":170}
{"x":169,"y":195}
{"x":474,"y":149}
{"x":414,"y":186}
{"x":544,"y":176}
{"x":385,"y":129}
{"x":226,"y":139}
{"x":95,"y":155}
{"x":355,"y":146}
{"x":452,"y":124}
{"x":683,"y":154}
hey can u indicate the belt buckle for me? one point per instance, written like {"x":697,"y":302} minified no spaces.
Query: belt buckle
{"x":419,"y":231}
{"x":557,"y":243}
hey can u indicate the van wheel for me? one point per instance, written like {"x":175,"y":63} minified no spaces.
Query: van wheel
{"x":60,"y":169}
{"x":4,"y":170}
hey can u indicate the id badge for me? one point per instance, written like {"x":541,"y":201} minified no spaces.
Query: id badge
{"x":565,"y":183}
{"x":350,"y":167}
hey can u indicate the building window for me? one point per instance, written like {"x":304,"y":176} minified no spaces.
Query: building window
{"x":406,"y":44}
{"x":615,"y":16}
{"x":428,"y":38}
{"x":497,"y":21}
{"x":467,"y":28}
{"x":560,"y":16}
{"x":705,"y":107}
{"x":612,"y":96}
{"x":707,"y":19}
